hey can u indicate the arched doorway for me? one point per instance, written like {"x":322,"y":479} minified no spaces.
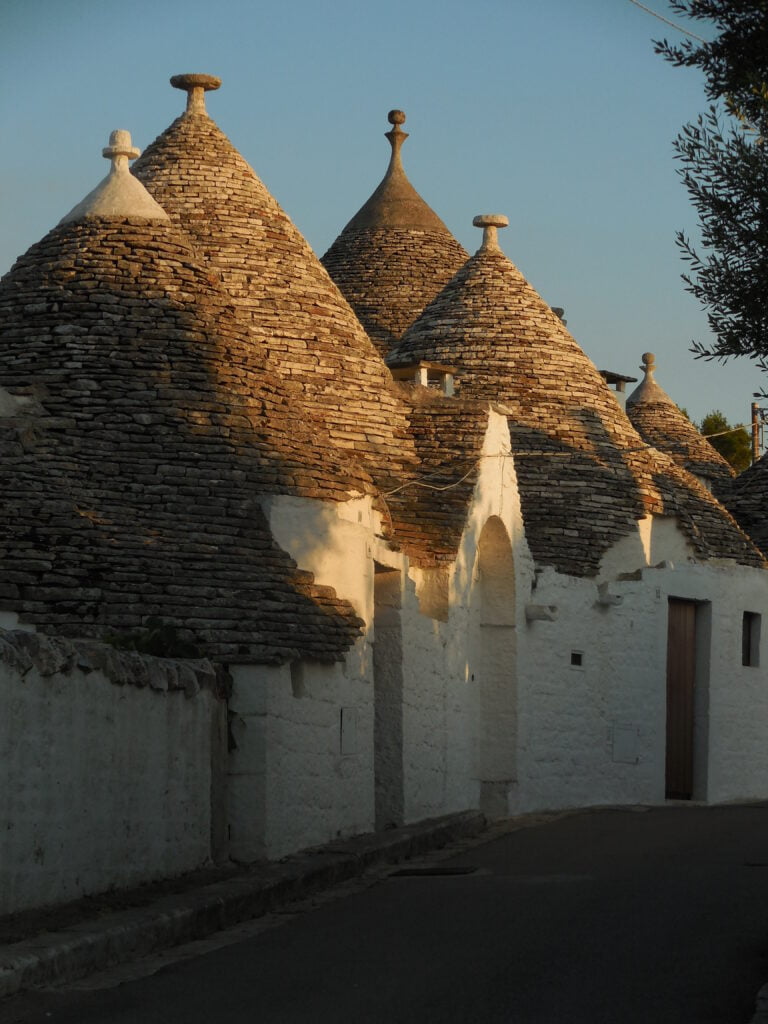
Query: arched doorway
{"x":388,"y":698}
{"x":495,"y":669}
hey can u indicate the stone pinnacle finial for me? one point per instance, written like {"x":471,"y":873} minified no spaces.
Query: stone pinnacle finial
{"x":119,"y":194}
{"x":396,"y":136}
{"x":195,"y":86}
{"x":120,"y":150}
{"x":489,"y":222}
{"x":648,"y":364}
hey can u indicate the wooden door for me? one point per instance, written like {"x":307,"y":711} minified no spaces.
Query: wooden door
{"x":681,"y":675}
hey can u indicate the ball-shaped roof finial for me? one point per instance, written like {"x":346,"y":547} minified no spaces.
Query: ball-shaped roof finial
{"x":396,"y":117}
{"x":649,"y":363}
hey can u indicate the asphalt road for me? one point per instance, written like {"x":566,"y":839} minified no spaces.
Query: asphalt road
{"x":612,"y":917}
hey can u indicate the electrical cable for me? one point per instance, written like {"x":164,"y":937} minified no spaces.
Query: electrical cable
{"x":678,"y":28}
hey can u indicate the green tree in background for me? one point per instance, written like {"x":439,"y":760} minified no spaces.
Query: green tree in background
{"x":724,"y":167}
{"x":735,"y":446}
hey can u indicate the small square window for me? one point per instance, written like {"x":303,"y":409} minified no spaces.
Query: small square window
{"x":577,"y":659}
{"x":750,"y":639}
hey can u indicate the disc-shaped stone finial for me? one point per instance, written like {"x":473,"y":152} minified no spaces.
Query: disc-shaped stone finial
{"x":193,"y":81}
{"x":489,"y":222}
{"x":195,"y":86}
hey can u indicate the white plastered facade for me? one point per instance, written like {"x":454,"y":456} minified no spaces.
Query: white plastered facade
{"x":488,"y":684}
{"x":513,"y":689}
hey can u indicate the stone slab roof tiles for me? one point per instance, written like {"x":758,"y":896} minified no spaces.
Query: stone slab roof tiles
{"x":662,"y":424}
{"x":395,"y":254}
{"x":274,"y":278}
{"x":429,"y":511}
{"x":585,"y":476}
{"x":713,"y":532}
{"x":131,"y":479}
{"x":747,"y":501}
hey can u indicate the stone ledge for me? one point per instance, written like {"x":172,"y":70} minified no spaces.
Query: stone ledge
{"x":23,"y":651}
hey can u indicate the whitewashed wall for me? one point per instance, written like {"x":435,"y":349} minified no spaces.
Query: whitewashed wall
{"x":111,"y":767}
{"x":301,"y":773}
{"x":439,"y":743}
{"x":596,"y":733}
{"x":525,"y":731}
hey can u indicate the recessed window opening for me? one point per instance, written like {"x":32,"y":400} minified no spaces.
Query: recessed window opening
{"x":577,"y":659}
{"x":750,"y":639}
{"x":298,"y":686}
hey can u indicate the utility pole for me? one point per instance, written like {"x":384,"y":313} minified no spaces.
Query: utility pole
{"x":755,"y":433}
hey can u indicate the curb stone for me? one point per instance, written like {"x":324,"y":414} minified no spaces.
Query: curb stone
{"x":56,"y":957}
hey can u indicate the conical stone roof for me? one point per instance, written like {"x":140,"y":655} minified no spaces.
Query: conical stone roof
{"x":585,"y":476}
{"x":274,"y":278}
{"x":131,"y":486}
{"x":395,"y":254}
{"x":747,"y":501}
{"x":662,"y":424}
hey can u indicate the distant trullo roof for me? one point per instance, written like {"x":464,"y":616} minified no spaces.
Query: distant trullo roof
{"x":747,"y":501}
{"x":584,"y":473}
{"x":271,"y":273}
{"x":662,"y":424}
{"x":130,"y":483}
{"x":395,"y":254}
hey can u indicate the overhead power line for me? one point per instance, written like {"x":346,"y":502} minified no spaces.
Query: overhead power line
{"x":678,"y":28}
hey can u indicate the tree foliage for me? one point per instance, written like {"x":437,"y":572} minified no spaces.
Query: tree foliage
{"x":734,"y":62}
{"x":734,"y":444}
{"x":726,"y":175}
{"x":724,"y":167}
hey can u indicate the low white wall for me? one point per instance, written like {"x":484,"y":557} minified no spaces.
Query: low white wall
{"x":301,"y":773}
{"x":110,"y":766}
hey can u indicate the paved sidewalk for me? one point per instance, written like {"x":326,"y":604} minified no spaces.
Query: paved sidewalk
{"x":91,"y":944}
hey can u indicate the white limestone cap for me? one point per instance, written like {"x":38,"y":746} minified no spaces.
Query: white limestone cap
{"x":119,"y":194}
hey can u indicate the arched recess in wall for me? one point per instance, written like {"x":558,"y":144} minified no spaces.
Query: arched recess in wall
{"x":495,"y":669}
{"x":388,"y":698}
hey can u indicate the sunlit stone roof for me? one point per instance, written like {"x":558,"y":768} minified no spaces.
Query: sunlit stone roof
{"x":131,"y":477}
{"x":585,"y":475}
{"x":274,"y":278}
{"x":661,"y":423}
{"x":395,"y":254}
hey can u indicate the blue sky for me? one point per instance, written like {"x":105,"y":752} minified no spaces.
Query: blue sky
{"x":555,"y":112}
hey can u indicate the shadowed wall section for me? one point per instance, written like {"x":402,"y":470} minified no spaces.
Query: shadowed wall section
{"x":496,"y":681}
{"x":388,"y":697}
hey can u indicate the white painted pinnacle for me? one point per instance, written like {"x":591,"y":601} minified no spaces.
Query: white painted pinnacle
{"x":119,"y":194}
{"x":489,"y":222}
